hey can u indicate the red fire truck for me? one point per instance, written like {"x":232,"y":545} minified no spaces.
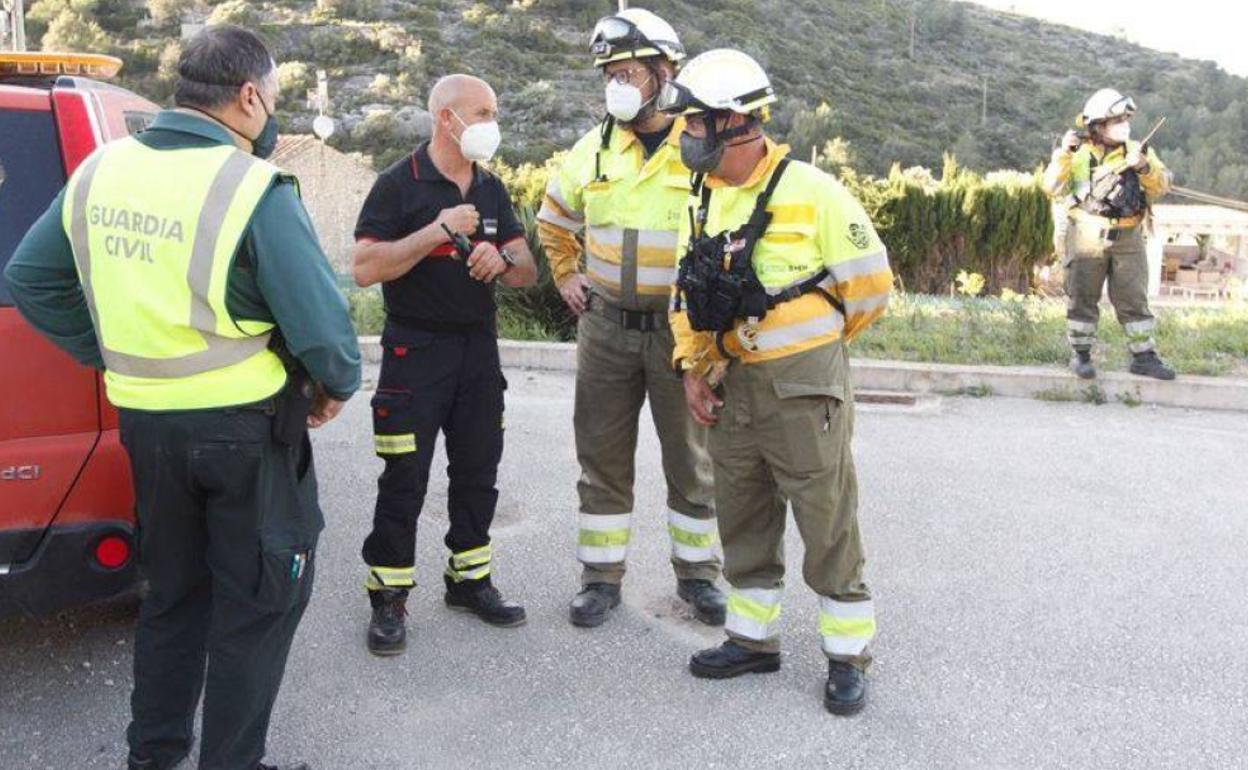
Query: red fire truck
{"x":67,"y":533}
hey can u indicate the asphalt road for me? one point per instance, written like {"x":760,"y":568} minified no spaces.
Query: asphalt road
{"x":1058,"y":586}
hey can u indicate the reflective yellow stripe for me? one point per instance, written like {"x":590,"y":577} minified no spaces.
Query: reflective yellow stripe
{"x":754,"y":613}
{"x":603,"y":539}
{"x":390,"y":577}
{"x":472,"y":558}
{"x":397,"y":444}
{"x":477,"y":573}
{"x":846,"y":627}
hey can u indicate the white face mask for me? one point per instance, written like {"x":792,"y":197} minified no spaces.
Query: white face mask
{"x":479,"y":141}
{"x":1119,"y":133}
{"x":623,"y":100}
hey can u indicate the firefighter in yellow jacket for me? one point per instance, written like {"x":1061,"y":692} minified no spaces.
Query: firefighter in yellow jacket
{"x":623,"y":189}
{"x":780,"y":267}
{"x":1106,"y":183}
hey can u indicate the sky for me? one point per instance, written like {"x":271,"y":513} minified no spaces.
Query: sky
{"x":1200,"y":29}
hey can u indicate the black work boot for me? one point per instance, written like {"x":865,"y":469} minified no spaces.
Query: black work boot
{"x":1150,"y":365}
{"x":482,"y":599}
{"x":295,"y":766}
{"x":592,"y":605}
{"x":731,"y":659}
{"x":846,"y":691}
{"x":137,"y":763}
{"x":1081,"y":364}
{"x":387,"y":631}
{"x":708,"y":602}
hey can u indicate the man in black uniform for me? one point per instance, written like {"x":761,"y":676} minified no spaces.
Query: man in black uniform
{"x":436,"y":231}
{"x":215,"y":428}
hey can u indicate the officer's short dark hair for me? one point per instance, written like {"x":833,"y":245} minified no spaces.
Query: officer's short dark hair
{"x":217,"y":62}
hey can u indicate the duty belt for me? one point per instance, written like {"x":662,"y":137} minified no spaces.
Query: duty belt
{"x":631,"y":320}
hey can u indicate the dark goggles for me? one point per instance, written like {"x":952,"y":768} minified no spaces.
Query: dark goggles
{"x":614,"y":34}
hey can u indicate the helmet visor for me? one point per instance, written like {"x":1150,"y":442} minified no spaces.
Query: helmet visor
{"x":613,"y":35}
{"x":1124,"y":106}
{"x":676,"y":99}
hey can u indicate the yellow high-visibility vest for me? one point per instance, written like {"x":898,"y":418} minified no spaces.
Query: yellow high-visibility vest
{"x":154,"y":233}
{"x":629,"y":207}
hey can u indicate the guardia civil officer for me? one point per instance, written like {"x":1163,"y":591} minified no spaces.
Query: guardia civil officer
{"x":780,"y":269}
{"x":174,"y":261}
{"x":622,"y":188}
{"x":438,"y":231}
{"x":1106,"y":183}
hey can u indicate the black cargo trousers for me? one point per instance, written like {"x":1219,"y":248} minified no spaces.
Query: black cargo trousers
{"x":228,"y":525}
{"x":447,"y":381}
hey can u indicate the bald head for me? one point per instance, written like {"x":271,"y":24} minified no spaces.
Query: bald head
{"x":459,"y":91}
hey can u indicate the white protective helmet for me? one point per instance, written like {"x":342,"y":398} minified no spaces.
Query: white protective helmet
{"x":722,"y":79}
{"x":1105,"y":105}
{"x":634,"y":33}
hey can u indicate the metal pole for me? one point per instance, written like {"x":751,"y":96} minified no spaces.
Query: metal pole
{"x":983,"y":116}
{"x":623,"y":5}
{"x":19,"y":27}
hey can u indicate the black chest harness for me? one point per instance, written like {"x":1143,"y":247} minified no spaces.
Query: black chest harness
{"x":1114,"y":195}
{"x":716,"y":283}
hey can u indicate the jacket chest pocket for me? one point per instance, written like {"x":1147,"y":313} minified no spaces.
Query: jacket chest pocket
{"x":599,"y":196}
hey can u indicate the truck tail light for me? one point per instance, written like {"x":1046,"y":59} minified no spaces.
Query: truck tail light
{"x":112,"y":552}
{"x":78,"y":126}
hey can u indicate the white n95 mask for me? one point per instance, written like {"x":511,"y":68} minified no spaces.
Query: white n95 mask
{"x":623,"y":100}
{"x":479,"y":141}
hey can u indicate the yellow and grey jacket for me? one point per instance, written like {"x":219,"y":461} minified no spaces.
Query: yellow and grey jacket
{"x":816,"y":225}
{"x":628,"y":208}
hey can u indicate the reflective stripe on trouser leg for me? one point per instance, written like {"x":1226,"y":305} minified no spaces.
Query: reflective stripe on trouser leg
{"x":693,"y":540}
{"x":470,"y":565}
{"x":603,"y":539}
{"x":754,"y":613}
{"x":390,"y":577}
{"x":846,"y":627}
{"x":1140,"y":335}
{"x":1080,"y":334}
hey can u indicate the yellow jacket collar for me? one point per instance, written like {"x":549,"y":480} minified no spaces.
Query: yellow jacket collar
{"x":624,"y":137}
{"x":775,"y":153}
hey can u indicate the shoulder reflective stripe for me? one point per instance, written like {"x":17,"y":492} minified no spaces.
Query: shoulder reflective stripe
{"x":782,"y":337}
{"x":80,"y":238}
{"x":207,"y":232}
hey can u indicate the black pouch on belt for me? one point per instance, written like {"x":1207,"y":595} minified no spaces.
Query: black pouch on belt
{"x":293,"y":405}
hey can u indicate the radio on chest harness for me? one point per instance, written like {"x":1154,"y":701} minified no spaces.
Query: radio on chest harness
{"x":716,"y":282}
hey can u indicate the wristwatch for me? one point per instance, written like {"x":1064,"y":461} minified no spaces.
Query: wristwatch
{"x":508,"y":258}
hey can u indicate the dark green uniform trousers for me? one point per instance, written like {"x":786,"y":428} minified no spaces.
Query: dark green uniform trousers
{"x":228,"y":523}
{"x":784,"y":438}
{"x":618,"y":370}
{"x":1093,"y":257}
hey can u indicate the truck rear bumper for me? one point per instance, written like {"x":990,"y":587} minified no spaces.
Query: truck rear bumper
{"x":66,"y":571}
